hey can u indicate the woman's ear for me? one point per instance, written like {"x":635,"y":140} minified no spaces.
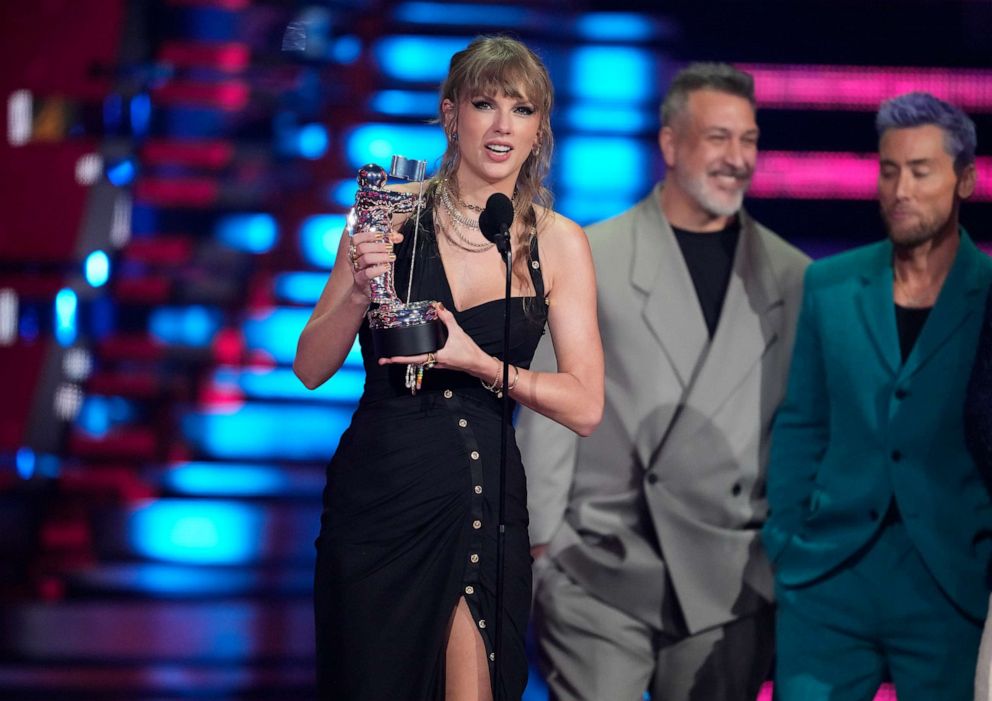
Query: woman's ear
{"x":450,"y":117}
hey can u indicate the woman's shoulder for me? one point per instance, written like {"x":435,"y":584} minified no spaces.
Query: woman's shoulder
{"x":556,"y":231}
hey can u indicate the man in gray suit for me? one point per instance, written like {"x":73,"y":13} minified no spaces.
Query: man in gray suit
{"x":649,"y":568}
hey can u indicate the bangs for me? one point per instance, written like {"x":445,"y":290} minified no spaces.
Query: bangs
{"x":512,"y":77}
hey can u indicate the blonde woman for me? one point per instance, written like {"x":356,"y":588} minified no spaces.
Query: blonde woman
{"x":406,"y":570}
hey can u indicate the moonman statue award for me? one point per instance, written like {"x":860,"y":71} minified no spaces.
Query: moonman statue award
{"x":398,"y":328}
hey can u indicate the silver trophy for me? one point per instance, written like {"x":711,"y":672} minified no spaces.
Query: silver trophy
{"x":398,"y":328}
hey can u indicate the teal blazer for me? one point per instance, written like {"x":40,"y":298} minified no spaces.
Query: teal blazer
{"x":859,"y":427}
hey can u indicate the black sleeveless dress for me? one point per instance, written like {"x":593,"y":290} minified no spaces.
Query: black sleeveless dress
{"x":411,"y":508}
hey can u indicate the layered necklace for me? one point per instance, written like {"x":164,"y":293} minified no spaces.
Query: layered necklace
{"x":460,"y":221}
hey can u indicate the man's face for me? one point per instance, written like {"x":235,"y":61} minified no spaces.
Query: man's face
{"x":710,"y":150}
{"x":918,"y":189}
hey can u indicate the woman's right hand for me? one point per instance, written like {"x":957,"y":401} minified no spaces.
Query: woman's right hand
{"x":370,"y":256}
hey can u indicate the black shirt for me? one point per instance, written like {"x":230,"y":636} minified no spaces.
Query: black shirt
{"x":910,"y":321}
{"x":710,"y":258}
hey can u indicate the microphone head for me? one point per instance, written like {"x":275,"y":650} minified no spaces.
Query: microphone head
{"x":497,"y":217}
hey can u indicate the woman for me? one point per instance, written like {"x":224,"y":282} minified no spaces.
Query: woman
{"x":406,"y":572}
{"x":978,"y":425}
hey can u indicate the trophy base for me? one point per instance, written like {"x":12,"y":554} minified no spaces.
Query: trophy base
{"x":409,"y":340}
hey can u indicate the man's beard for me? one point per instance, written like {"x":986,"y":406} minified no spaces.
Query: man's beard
{"x":923,"y":231}
{"x":714,"y":202}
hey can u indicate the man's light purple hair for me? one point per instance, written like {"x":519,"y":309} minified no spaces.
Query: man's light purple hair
{"x":917,"y":109}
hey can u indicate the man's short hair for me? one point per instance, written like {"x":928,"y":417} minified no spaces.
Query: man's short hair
{"x":704,"y":76}
{"x":917,"y":109}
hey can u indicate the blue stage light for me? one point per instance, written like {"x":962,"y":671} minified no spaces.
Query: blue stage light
{"x":226,"y":479}
{"x":312,"y":141}
{"x":141,"y":113}
{"x":251,"y":232}
{"x":319,"y":238}
{"x":28,"y":327}
{"x":378,"y":143}
{"x":66,"y":305}
{"x":194,"y":325}
{"x":612,"y":73}
{"x":405,"y":103}
{"x":346,"y":49}
{"x":276,"y":332}
{"x":418,"y":59}
{"x":345,"y":386}
{"x":462,"y":14}
{"x":175,"y":580}
{"x":191,"y":121}
{"x":97,"y":268}
{"x":201,"y":531}
{"x":48,"y":465}
{"x":113,"y":112}
{"x":604,"y":164}
{"x":99,"y":414}
{"x":587,"y":207}
{"x":94,"y":416}
{"x":259,"y":431}
{"x":25,"y":460}
{"x":299,"y":288}
{"x":122,"y":173}
{"x":342,"y":193}
{"x":615,"y":26}
{"x":617,"y":119}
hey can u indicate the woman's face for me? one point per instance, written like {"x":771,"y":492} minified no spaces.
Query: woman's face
{"x":496,"y":134}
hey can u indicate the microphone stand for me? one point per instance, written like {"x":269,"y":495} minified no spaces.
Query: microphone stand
{"x":503,"y":246}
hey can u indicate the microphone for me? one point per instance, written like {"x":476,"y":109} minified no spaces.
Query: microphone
{"x":495,"y":221}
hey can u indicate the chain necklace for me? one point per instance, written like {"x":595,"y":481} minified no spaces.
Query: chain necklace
{"x":462,"y":242}
{"x":453,"y":212}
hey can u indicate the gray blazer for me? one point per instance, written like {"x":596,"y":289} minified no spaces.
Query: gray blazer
{"x":673,"y":478}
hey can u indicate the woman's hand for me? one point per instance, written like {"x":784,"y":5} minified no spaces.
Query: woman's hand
{"x":459,"y":352}
{"x":370,"y":257}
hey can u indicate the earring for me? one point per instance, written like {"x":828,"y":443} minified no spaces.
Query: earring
{"x":536,"y":151}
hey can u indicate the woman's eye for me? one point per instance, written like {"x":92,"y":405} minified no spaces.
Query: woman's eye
{"x":481,"y":104}
{"x":525,"y":109}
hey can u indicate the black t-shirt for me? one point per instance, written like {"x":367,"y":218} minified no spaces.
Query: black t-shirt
{"x":710,"y":258}
{"x":910,"y":321}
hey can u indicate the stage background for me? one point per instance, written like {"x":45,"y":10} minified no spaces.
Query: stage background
{"x":175,"y":176}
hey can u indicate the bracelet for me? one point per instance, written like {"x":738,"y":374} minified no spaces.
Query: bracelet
{"x":496,"y":380}
{"x":516,"y":376}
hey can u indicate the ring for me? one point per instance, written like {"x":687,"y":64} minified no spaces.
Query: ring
{"x":430,"y":362}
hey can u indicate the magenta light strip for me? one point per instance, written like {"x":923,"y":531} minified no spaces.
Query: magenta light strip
{"x":865,"y":87}
{"x":886,"y":692}
{"x":834,"y":176}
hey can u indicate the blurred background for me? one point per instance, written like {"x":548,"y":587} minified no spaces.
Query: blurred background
{"x":174,"y":176}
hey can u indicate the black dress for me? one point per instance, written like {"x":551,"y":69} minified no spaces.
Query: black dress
{"x":410,"y":511}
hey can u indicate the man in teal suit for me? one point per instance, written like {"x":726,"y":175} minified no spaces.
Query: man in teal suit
{"x":880,"y":527}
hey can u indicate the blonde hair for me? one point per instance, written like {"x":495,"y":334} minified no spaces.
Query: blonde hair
{"x":505,"y":64}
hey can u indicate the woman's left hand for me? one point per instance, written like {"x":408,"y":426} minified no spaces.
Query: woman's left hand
{"x":459,"y":352}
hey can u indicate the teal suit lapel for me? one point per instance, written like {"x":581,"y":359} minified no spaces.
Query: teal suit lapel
{"x":877,"y":307}
{"x":960,"y":297}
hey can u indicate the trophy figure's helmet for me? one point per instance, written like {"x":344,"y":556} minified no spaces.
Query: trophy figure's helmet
{"x":372,"y":176}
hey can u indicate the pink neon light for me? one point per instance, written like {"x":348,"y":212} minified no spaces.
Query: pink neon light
{"x":886,"y":692}
{"x":833,"y":176}
{"x":230,"y":57}
{"x":203,"y":153}
{"x":231,"y":95}
{"x":865,"y":87}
